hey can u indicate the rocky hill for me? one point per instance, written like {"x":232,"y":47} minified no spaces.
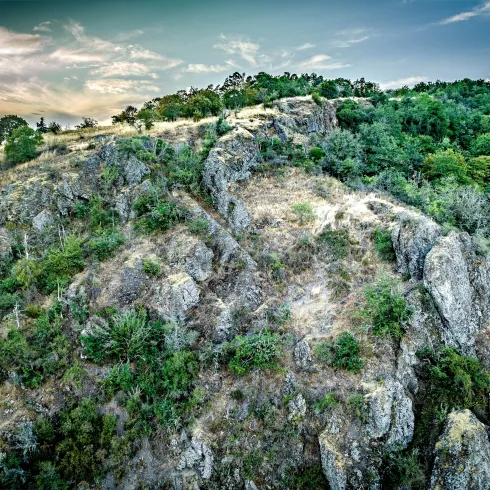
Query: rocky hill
{"x":264,"y":326}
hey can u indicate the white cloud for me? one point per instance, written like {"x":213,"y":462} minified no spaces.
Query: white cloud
{"x":347,"y":43}
{"x":468,"y":14}
{"x":305,"y":46}
{"x":91,"y":43}
{"x":119,"y":86}
{"x":247,"y":50}
{"x":200,"y":68}
{"x":348,"y":37}
{"x":16,"y":43}
{"x":321,"y":62}
{"x":122,"y":68}
{"x":69,"y":55}
{"x":43,"y":27}
{"x":401,"y":82}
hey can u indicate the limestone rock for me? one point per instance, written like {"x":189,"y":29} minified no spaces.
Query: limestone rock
{"x":297,"y":408}
{"x":462,"y":455}
{"x":172,"y":299}
{"x":413,"y":237}
{"x":42,"y":220}
{"x":200,"y":264}
{"x":198,"y":456}
{"x":333,"y":462}
{"x":302,"y":354}
{"x":458,"y":279}
{"x":135,"y":170}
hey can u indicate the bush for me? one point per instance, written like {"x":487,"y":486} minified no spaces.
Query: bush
{"x":343,"y":353}
{"x":386,"y":309}
{"x":317,"y":154}
{"x":198,"y":226}
{"x":444,"y":164}
{"x":22,"y":145}
{"x":257,"y":351}
{"x":384,"y":245}
{"x":103,"y":246}
{"x":304,"y":212}
{"x":151,"y":267}
{"x":337,"y":242}
{"x":325,"y":403}
{"x":481,"y":145}
{"x":479,"y":170}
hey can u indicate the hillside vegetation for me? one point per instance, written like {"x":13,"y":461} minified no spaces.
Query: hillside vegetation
{"x":280,"y":282}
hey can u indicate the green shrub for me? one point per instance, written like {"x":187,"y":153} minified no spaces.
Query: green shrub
{"x":384,"y":245}
{"x":343,"y":353}
{"x":198,"y":226}
{"x":325,"y":403}
{"x":185,"y":170}
{"x":444,"y":164}
{"x":317,"y":154}
{"x":256,"y":351}
{"x":103,"y":246}
{"x":386,"y":309}
{"x":22,"y":145}
{"x":312,"y":478}
{"x":303,"y":212}
{"x":481,"y":145}
{"x":337,"y":242}
{"x":151,"y":267}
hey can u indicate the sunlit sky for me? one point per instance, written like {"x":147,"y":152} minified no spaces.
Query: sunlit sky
{"x":64,"y":59}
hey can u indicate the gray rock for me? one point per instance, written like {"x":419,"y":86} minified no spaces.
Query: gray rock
{"x":413,"y":237}
{"x":297,"y":408}
{"x":250,"y":485}
{"x":200,"y":264}
{"x":42,"y":220}
{"x":403,"y":420}
{"x":135,"y":170}
{"x":462,"y":455}
{"x":198,"y":456}
{"x":5,"y":243}
{"x":172,"y":299}
{"x":333,"y":463}
{"x":132,"y":284}
{"x":302,"y":354}
{"x":458,"y":280}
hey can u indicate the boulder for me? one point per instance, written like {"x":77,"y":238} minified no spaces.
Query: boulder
{"x":462,"y":455}
{"x":135,"y":171}
{"x":458,"y":279}
{"x":198,"y":456}
{"x":413,"y":236}
{"x":302,"y":354}
{"x":42,"y":220}
{"x":172,"y":299}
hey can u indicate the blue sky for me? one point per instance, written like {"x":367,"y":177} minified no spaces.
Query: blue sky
{"x":65,"y":59}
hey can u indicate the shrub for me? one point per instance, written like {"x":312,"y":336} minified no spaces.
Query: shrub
{"x":481,"y":145}
{"x":257,"y":351}
{"x":337,"y":242}
{"x":343,"y":353}
{"x":384,"y":245}
{"x":151,"y":267}
{"x":198,"y":226}
{"x":386,"y":309}
{"x":479,"y":170}
{"x":325,"y":403}
{"x":222,"y":127}
{"x":103,"y":246}
{"x":185,"y":169}
{"x":445,"y":163}
{"x":317,"y":154}
{"x":304,"y":212}
{"x":22,"y":145}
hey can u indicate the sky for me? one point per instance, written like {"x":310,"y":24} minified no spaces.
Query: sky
{"x":68,"y":59}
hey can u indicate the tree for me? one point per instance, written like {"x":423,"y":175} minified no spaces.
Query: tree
{"x":329,"y":89}
{"x":479,"y":169}
{"x":340,"y":146}
{"x":8,"y":124}
{"x":54,"y":127}
{"x":444,"y":164}
{"x":481,"y":145}
{"x":87,"y":122}
{"x":41,"y":126}
{"x":22,"y":144}
{"x":148,"y":117}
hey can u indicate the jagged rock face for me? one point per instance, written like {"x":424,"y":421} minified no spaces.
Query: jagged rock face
{"x":413,"y":236}
{"x":42,"y":220}
{"x":302,"y":354}
{"x":134,"y":171}
{"x":303,"y":115}
{"x":458,"y":280}
{"x":390,"y":412}
{"x":233,"y":158}
{"x":5,"y":243}
{"x":198,"y":456}
{"x":462,"y":455}
{"x":172,"y":299}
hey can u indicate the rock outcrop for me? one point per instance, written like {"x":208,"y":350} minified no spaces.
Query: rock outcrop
{"x":198,"y":456}
{"x":413,"y":236}
{"x":462,"y":455}
{"x":458,"y":279}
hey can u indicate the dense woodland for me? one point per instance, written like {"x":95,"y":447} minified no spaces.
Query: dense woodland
{"x":427,"y":146}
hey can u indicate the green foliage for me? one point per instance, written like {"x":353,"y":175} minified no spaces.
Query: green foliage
{"x":303,"y":212}
{"x":343,"y":153}
{"x":479,"y":170}
{"x":222,"y":127}
{"x":317,"y":154}
{"x":481,"y":145}
{"x":312,"y":478}
{"x":198,"y":226}
{"x":8,"y":124}
{"x":185,"y":170}
{"x":350,"y":115}
{"x":155,"y":213}
{"x":445,"y":163}
{"x":404,"y":468}
{"x":326,"y":403}
{"x":343,"y":353}
{"x":151,"y":267}
{"x":337,"y":242}
{"x":260,"y":350}
{"x":104,"y":245}
{"x":386,"y":309}
{"x":22,"y":144}
{"x":317,"y":99}
{"x":384,"y":245}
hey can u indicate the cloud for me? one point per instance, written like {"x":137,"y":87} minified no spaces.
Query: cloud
{"x":91,"y":43}
{"x":247,"y":50}
{"x":200,"y":68}
{"x":119,"y":86}
{"x":321,"y":61}
{"x":15,"y":43}
{"x":401,"y":82}
{"x":43,"y":27}
{"x":123,"y":68}
{"x":349,"y":37}
{"x":68,"y":55}
{"x":305,"y":46}
{"x":468,"y":14}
